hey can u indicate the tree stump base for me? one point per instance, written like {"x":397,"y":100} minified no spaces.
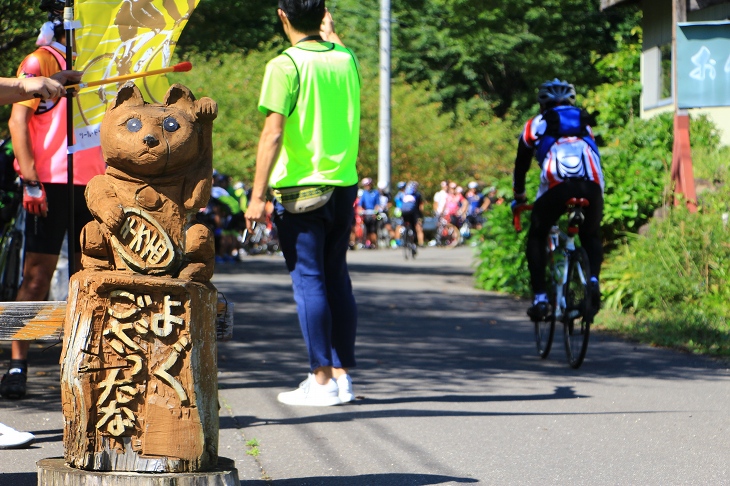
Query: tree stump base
{"x":55,"y":472}
{"x":139,"y":383}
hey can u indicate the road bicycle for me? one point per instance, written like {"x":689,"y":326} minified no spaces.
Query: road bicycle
{"x":447,"y":234}
{"x":261,"y":239}
{"x":408,"y":237}
{"x":383,"y":230}
{"x":568,"y":276}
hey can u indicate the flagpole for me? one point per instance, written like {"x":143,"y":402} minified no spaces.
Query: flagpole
{"x":68,"y":18}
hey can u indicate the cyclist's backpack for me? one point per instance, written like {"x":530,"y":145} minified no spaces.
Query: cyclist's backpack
{"x":409,"y":200}
{"x":565,"y":121}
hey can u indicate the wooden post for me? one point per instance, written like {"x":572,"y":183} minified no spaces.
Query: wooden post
{"x":682,"y":173}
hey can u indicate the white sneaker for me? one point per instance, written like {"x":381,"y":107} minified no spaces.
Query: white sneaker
{"x":12,"y":439}
{"x":344,"y":383}
{"x":312,"y":394}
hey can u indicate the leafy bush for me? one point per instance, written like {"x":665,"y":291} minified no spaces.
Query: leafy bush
{"x":636,"y":165}
{"x":683,"y":260}
{"x":501,"y":253}
{"x":502,"y":263}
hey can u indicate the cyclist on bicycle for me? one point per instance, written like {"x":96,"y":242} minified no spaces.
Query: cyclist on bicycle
{"x":411,"y":207}
{"x":561,"y":140}
{"x":370,"y":207}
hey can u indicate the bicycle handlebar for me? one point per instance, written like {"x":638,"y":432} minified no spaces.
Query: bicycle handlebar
{"x":516,"y":222}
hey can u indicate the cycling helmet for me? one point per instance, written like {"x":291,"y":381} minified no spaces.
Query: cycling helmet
{"x":556,"y":92}
{"x":366,"y":181}
{"x":401,"y":185}
{"x":473,"y":185}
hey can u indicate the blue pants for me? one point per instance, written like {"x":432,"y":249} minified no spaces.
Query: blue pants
{"x":315,"y":248}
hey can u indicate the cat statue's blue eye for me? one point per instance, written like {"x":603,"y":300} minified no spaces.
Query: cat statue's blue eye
{"x":170,"y":124}
{"x":134,"y":125}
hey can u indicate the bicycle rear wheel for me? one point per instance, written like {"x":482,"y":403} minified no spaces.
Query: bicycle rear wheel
{"x":412,"y":243}
{"x":407,"y":242}
{"x":545,"y":330}
{"x":576,"y":321}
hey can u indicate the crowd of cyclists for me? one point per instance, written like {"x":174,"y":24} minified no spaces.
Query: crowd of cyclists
{"x":380,"y":217}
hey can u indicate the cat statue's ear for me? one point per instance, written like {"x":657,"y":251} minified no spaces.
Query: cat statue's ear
{"x":204,"y":109}
{"x":128,"y":95}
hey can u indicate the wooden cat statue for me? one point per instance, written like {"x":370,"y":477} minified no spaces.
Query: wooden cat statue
{"x":139,"y":373}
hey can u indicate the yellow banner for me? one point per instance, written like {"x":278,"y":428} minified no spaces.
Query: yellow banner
{"x":122,"y":37}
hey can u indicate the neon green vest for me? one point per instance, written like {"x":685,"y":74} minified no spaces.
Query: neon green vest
{"x":322,"y":130}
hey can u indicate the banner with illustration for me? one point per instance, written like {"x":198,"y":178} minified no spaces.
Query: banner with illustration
{"x":118,"y":37}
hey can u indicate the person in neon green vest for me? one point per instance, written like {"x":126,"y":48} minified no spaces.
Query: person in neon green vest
{"x":307,"y":152}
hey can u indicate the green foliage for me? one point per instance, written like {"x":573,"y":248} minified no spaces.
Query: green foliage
{"x":502,"y":263}
{"x":427,"y":144}
{"x":234,"y":82}
{"x":19,"y":24}
{"x":683,"y":259}
{"x":616,"y":101}
{"x":636,"y":168}
{"x":501,"y":254}
{"x":674,"y":281}
{"x":497,"y":51}
{"x":225,"y":26}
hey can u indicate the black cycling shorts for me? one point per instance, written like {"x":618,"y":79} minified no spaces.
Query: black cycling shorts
{"x":371,"y":223}
{"x":45,"y":235}
{"x":412,"y":218}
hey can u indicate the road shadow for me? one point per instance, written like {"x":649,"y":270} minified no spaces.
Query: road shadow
{"x":390,"y":479}
{"x":19,"y":479}
{"x":412,"y":329}
{"x":44,"y":378}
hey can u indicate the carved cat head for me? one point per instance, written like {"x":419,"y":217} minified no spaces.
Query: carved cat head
{"x":162,"y":139}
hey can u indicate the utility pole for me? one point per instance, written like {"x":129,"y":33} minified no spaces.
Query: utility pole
{"x":384,"y":125}
{"x":682,"y":173}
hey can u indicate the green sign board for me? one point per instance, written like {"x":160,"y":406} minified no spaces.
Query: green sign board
{"x":703,"y":70}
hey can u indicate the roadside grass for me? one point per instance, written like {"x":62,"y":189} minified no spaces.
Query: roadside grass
{"x":689,"y":330}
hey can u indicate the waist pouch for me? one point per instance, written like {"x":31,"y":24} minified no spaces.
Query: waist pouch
{"x":303,"y":199}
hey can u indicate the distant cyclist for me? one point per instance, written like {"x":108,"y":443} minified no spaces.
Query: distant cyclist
{"x":370,"y":206}
{"x":561,"y":140}
{"x":411,"y":207}
{"x":478,"y":203}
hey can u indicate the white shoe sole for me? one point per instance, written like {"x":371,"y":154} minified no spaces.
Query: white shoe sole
{"x":347,"y":397}
{"x":295,"y":398}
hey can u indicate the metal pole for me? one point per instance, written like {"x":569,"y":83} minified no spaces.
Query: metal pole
{"x":679,"y":14}
{"x":384,"y":126}
{"x":68,"y":18}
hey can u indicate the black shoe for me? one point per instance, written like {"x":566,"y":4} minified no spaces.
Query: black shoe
{"x":13,"y":385}
{"x":595,"y":294}
{"x":539,"y":311}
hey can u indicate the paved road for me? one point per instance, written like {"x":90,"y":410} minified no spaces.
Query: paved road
{"x":450,"y":392}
